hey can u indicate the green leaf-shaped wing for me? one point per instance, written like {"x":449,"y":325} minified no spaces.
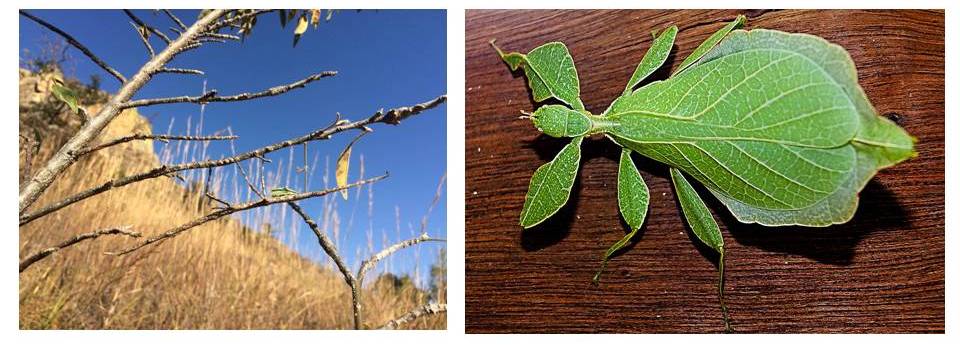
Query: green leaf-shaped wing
{"x":550,"y":185}
{"x":654,"y":58}
{"x":550,"y":72}
{"x":878,"y":143}
{"x":781,"y":146}
{"x":633,"y":197}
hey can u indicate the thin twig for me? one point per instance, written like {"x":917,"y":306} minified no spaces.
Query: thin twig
{"x":166,"y":170}
{"x":221,"y":36}
{"x":154,"y":30}
{"x":83,"y":49}
{"x":231,"y":21}
{"x":331,"y":250}
{"x":160,"y":137}
{"x":233,"y":151}
{"x":173,"y":17}
{"x":328,"y":246}
{"x":33,"y":258}
{"x":424,"y":310}
{"x":373,"y":260}
{"x":223,"y":212}
{"x":180,"y":71}
{"x":143,"y":38}
{"x":211,"y":96}
{"x":214,"y":198}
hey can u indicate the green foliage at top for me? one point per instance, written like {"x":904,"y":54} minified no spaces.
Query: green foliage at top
{"x":773,"y":124}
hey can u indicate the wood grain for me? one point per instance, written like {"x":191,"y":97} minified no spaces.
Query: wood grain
{"x":881,"y":272}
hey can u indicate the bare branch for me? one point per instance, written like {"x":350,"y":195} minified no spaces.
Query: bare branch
{"x":33,"y":258}
{"x":246,"y":178}
{"x":179,"y":71}
{"x":325,"y":243}
{"x":143,"y":38}
{"x":331,"y":250}
{"x":65,"y":156}
{"x":83,"y":49}
{"x":160,"y":137}
{"x":372,"y":261}
{"x":221,"y":36}
{"x":223,"y":212}
{"x":174,"y":18}
{"x":214,"y":198}
{"x":394,"y":116}
{"x":165,"y":170}
{"x":231,"y":21}
{"x":424,"y":310}
{"x":154,"y":30}
{"x":211,"y":96}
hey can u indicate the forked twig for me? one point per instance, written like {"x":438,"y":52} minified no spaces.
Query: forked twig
{"x":370,"y":263}
{"x":43,"y":253}
{"x":160,"y":137}
{"x":211,"y":96}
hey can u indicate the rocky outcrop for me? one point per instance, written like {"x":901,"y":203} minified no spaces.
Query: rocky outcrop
{"x":45,"y":122}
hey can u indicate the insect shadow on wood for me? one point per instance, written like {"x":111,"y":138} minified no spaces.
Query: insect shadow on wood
{"x":835,"y":245}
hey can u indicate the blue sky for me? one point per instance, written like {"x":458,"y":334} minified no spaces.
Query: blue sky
{"x":385,"y":59}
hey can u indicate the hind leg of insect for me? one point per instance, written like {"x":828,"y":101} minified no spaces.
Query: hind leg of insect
{"x":704,"y":227}
{"x":633,"y":198}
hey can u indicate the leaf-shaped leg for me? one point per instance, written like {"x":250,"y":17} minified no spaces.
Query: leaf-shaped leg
{"x":633,"y":197}
{"x":711,"y":42}
{"x":703,"y":225}
{"x":550,"y":185}
{"x":550,"y":72}
{"x":654,"y":57}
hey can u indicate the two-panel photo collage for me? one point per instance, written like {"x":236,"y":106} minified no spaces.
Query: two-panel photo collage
{"x":205,"y":175}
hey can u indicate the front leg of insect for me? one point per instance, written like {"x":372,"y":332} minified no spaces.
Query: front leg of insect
{"x":633,"y":198}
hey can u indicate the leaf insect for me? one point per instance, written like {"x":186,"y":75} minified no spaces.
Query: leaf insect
{"x":773,"y":124}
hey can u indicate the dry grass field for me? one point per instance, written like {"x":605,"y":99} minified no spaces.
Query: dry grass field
{"x":221,"y":275}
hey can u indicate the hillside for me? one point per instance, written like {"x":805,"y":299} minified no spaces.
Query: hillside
{"x":221,"y":275}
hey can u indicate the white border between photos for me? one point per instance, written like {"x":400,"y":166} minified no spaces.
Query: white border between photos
{"x":455,"y":189}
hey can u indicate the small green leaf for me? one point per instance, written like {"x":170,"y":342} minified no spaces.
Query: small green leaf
{"x":550,"y":72}
{"x":654,"y":58}
{"x":703,"y":225}
{"x":712,"y":41}
{"x":281,"y":192}
{"x":633,"y":197}
{"x":66,"y":95}
{"x":550,"y":185}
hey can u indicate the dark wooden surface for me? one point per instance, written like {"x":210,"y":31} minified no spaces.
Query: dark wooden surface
{"x":881,"y":272}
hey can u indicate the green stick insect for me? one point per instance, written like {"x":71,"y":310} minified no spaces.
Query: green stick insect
{"x":773,"y":124}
